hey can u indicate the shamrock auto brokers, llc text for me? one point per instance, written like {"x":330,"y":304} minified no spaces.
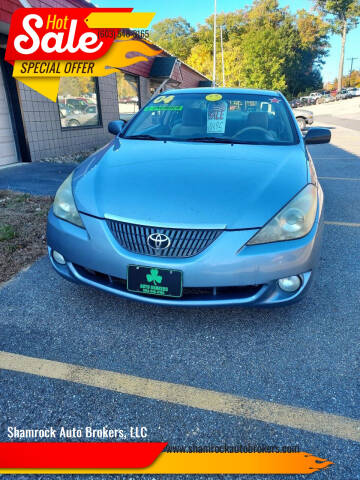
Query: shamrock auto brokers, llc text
{"x":86,"y":432}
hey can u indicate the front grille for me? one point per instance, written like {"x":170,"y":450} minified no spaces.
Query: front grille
{"x":183,"y":242}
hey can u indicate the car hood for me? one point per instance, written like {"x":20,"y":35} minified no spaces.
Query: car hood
{"x":189,"y":184}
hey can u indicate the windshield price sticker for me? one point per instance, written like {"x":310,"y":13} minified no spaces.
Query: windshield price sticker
{"x":216,"y":117}
{"x":164,"y":99}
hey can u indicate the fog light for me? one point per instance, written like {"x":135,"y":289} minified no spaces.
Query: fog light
{"x":58,"y":257}
{"x":290,"y":284}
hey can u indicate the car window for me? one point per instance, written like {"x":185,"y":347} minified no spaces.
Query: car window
{"x":233,"y":117}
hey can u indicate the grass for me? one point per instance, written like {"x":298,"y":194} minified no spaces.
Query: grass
{"x":6,"y":232}
{"x":22,"y":231}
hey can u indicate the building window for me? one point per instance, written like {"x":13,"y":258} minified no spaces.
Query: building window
{"x":78,"y":101}
{"x":128,"y":94}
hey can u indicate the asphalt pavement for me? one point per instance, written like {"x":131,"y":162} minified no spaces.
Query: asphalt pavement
{"x":304,"y":355}
{"x":352,"y":121}
{"x":36,"y":178}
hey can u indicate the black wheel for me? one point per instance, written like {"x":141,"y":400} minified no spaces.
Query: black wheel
{"x":73,"y":123}
{"x":301,"y":122}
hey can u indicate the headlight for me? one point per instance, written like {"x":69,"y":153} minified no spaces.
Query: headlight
{"x":295,"y":220}
{"x":64,"y":205}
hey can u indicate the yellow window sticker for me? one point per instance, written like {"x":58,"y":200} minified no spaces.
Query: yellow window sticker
{"x":213,"y":97}
{"x":159,"y":99}
{"x":164,"y":99}
{"x":169,"y":99}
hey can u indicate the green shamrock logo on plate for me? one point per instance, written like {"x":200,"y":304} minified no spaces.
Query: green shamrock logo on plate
{"x":154,"y":276}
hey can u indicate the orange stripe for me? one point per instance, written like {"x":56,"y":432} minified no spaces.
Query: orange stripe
{"x":211,"y":463}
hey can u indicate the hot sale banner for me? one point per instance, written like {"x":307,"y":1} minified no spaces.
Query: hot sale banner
{"x":45,"y":44}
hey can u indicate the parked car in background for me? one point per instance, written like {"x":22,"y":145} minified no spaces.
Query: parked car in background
{"x":83,"y":118}
{"x":325,"y":99}
{"x":304,"y":101}
{"x":307,"y":100}
{"x":65,"y":109}
{"x":304,"y":118}
{"x":353,"y":91}
{"x":79,"y":104}
{"x":342,"y":94}
{"x":315,"y":95}
{"x":295,"y":103}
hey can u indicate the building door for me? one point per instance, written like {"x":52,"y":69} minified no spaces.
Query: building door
{"x":8,"y":152}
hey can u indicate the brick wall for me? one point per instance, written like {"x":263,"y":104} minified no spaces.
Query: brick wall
{"x":43,"y":129}
{"x":7,"y":8}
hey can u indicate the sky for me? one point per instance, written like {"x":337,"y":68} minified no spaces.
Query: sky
{"x":195,"y":11}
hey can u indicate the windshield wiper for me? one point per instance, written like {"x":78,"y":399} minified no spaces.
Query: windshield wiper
{"x":211,"y":139}
{"x":143,"y":137}
{"x":226,"y":140}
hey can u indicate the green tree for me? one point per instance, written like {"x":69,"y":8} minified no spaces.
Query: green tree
{"x":281,"y":50}
{"x":265,"y":46}
{"x":343,"y":15}
{"x":174,"y":35}
{"x":304,"y":41}
{"x":234,"y":26}
{"x":233,"y":63}
{"x":201,"y":59}
{"x":261,"y":65}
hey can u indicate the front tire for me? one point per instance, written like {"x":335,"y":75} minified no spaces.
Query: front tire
{"x":73,"y":123}
{"x":301,"y":122}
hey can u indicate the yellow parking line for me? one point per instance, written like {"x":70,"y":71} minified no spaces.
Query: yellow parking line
{"x":340,"y":178}
{"x":210,"y":400}
{"x":343,"y":224}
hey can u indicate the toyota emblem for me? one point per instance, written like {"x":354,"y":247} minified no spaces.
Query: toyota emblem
{"x":158,"y":241}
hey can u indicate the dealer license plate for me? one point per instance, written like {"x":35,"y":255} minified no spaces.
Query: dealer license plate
{"x":154,"y":281}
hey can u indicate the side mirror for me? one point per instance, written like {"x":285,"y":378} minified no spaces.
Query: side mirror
{"x":317,"y":135}
{"x":116,"y":126}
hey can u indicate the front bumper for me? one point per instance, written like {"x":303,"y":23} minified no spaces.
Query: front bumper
{"x":227,"y":273}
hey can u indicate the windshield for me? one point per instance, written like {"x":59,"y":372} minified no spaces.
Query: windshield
{"x":214,"y":117}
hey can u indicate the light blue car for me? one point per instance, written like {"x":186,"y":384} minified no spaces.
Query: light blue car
{"x":206,"y":197}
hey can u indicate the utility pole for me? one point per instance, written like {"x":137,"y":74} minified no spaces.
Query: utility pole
{"x":214,"y":49}
{"x":222,"y":54}
{"x":351,"y":67}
